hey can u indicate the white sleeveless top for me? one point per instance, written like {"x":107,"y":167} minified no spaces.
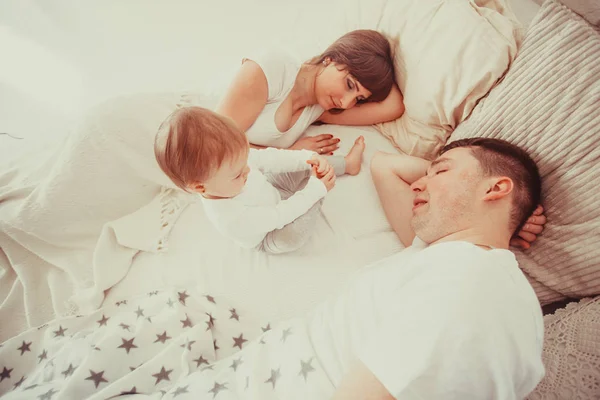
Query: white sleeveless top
{"x":280,"y":68}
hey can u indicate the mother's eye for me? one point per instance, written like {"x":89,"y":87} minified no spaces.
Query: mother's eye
{"x":350,"y":84}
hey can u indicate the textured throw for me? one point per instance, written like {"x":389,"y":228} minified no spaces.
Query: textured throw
{"x":549,"y":104}
{"x":572,"y":353}
{"x":72,"y":220}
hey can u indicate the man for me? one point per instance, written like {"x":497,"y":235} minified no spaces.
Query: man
{"x":459,"y":319}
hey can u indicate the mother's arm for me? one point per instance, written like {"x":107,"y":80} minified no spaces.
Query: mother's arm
{"x":246,"y":97}
{"x":369,"y":113}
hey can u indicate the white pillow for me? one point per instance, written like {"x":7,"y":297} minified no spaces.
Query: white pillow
{"x":448,"y":55}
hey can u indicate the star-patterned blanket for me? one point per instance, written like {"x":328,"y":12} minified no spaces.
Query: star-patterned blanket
{"x":172,"y":344}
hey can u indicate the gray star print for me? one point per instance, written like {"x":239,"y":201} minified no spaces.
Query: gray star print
{"x":5,"y":374}
{"x":43,"y":356}
{"x":234,"y":314}
{"x":153,"y":293}
{"x":118,"y":303}
{"x":60,"y":332}
{"x":217,"y":388}
{"x":139,"y":312}
{"x":162,"y":337}
{"x":275,"y":374}
{"x":162,"y":375}
{"x":211,"y":367}
{"x":97,"y":377}
{"x":69,"y":371}
{"x":31,"y":386}
{"x":236,"y":364}
{"x":133,"y":390}
{"x":170,"y":303}
{"x":180,"y":390}
{"x":127,"y":344}
{"x":149,"y":319}
{"x":211,"y":321}
{"x":266,"y":328}
{"x":186,"y":322}
{"x":239,"y":341}
{"x":200,"y":360}
{"x":215,"y":345}
{"x":188,"y":344}
{"x":20,"y":382}
{"x":305,"y":368}
{"x":286,"y":332}
{"x":124,"y":326}
{"x":48,"y":395}
{"x":25,"y":347}
{"x":182,"y":296}
{"x":211,"y":299}
{"x":103,"y":321}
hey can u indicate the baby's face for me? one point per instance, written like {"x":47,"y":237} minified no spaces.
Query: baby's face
{"x":229,"y":180}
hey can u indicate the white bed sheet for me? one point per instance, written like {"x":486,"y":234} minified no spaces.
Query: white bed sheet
{"x":352,"y":232}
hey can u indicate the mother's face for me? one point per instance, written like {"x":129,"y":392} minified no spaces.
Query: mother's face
{"x":335,"y":87}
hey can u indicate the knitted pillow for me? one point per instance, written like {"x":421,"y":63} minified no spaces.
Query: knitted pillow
{"x":549,"y":105}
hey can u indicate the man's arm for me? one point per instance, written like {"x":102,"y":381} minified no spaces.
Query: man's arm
{"x":360,"y":384}
{"x":393,"y":174}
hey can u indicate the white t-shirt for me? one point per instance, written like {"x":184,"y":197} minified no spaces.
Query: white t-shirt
{"x":259,"y":209}
{"x":280,"y":68}
{"x":448,"y":321}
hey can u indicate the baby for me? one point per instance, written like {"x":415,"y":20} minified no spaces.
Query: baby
{"x":265,"y":199}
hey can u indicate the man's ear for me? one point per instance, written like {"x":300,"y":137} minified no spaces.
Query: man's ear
{"x":498,"y":188}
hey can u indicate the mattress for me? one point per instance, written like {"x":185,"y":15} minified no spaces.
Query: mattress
{"x":351,"y":232}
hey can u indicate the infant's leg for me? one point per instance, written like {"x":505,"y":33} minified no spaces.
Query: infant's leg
{"x":292,"y":236}
{"x":338,"y":163}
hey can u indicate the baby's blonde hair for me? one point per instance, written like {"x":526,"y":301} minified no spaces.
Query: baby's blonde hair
{"x":193,"y":142}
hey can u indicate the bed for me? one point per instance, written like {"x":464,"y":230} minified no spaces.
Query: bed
{"x":351,"y":233}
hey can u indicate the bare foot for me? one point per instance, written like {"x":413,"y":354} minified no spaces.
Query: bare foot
{"x":354,"y":157}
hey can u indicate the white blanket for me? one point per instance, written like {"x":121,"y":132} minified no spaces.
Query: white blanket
{"x":73,"y":222}
{"x":178,"y":343}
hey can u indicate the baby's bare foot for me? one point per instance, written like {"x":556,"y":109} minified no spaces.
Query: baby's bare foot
{"x":354,"y":157}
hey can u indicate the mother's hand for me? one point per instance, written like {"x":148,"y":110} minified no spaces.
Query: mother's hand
{"x":533,"y":227}
{"x":321,"y":144}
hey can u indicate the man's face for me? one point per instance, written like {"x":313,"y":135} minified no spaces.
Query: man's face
{"x":446,"y":198}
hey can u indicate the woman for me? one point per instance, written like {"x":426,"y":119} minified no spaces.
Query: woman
{"x":274,"y":97}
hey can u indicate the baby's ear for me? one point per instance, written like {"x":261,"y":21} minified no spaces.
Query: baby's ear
{"x":197,"y":187}
{"x":498,"y":188}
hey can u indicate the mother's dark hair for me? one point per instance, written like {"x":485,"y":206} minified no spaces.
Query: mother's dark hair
{"x":367,"y":56}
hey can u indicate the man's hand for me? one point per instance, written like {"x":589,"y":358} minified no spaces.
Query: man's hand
{"x":533,"y":227}
{"x":359,"y":383}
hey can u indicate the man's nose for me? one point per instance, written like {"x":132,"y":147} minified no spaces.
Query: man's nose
{"x":419,"y":185}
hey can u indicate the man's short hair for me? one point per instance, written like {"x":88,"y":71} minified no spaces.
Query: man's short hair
{"x":193,"y":142}
{"x":501,"y":158}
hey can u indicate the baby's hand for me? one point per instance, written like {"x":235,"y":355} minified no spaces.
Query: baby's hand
{"x":319,"y":164}
{"x":328,"y":178}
